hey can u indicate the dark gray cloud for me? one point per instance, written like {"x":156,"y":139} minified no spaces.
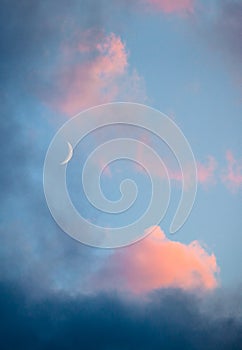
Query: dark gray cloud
{"x":229,"y":28}
{"x":220,"y":23}
{"x":172,"y":320}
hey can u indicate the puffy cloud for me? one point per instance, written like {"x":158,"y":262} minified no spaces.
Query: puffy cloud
{"x":157,"y":262}
{"x":232,"y":177}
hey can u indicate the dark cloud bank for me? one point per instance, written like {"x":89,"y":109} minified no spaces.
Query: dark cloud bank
{"x":172,"y":320}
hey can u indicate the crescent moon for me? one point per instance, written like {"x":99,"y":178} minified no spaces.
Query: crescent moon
{"x":69,"y":156}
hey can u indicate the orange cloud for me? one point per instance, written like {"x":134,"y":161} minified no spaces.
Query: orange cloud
{"x":232,"y":177}
{"x":94,"y":70}
{"x":156,"y":262}
{"x":169,"y":6}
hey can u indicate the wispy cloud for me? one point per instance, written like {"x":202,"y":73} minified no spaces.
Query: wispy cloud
{"x":171,"y":6}
{"x":205,"y":171}
{"x":232,"y":176}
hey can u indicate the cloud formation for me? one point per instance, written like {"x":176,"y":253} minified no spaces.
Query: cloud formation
{"x":94,"y":70}
{"x":157,"y":262}
{"x":170,"y":320}
{"x":229,"y":27}
{"x":223,"y":34}
{"x":205,"y":171}
{"x":232,"y":176}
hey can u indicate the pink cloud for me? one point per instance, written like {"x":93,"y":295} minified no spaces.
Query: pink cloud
{"x":94,"y":70}
{"x":170,"y":6}
{"x":232,"y":176}
{"x":205,"y":172}
{"x":156,"y":262}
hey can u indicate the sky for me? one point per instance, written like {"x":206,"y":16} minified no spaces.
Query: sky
{"x":180,"y":57}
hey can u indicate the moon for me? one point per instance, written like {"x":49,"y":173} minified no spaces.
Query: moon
{"x":69,"y":156}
